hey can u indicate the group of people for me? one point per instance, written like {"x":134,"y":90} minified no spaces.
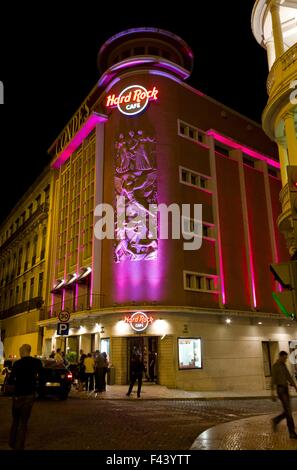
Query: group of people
{"x":92,"y":370}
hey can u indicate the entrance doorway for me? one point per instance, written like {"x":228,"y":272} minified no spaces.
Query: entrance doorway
{"x":270,"y":351}
{"x":147,"y":346}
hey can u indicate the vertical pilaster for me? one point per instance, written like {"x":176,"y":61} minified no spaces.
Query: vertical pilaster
{"x":237,"y":155}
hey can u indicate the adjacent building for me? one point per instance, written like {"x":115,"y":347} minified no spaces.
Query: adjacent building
{"x":204,"y":319}
{"x":274,"y":25}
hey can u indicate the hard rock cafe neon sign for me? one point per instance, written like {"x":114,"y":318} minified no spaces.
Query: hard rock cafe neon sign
{"x":138,"y":321}
{"x":132,"y":100}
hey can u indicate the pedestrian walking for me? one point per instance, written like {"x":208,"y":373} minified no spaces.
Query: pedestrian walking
{"x":136,"y":372}
{"x":280,"y":378}
{"x":100,"y":364}
{"x":24,"y":375}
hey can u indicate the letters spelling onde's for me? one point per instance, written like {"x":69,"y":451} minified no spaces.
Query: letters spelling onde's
{"x":134,"y":96}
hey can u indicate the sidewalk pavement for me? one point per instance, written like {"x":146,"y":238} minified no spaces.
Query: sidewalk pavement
{"x":159,"y":392}
{"x":247,"y":434}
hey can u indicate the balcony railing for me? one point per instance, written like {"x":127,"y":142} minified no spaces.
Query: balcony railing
{"x":283,"y":71}
{"x":26,"y":306}
{"x":75,"y":304}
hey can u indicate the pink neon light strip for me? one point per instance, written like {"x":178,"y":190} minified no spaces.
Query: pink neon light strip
{"x":252,"y":269}
{"x":223,"y":292}
{"x":247,"y":150}
{"x":78,"y":138}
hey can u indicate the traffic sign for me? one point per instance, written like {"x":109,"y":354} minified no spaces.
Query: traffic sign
{"x":63,"y":329}
{"x":64,"y":316}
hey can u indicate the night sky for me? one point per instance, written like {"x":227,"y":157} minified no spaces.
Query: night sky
{"x":48,"y":66}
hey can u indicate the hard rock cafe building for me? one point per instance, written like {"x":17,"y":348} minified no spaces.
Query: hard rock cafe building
{"x":206,"y":316}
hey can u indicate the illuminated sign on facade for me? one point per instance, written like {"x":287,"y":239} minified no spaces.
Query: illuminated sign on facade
{"x":132,"y":100}
{"x":138,"y":321}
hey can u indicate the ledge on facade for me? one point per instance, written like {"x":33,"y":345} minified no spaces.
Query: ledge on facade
{"x":78,"y":304}
{"x":40,"y":212}
{"x":26,"y":306}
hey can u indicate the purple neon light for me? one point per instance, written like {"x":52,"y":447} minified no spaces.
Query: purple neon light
{"x":78,"y":138}
{"x":247,"y":150}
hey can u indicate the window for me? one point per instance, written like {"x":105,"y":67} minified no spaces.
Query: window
{"x":24,"y":291}
{"x":30,"y":210}
{"x":31,"y":294}
{"x":200,"y":282}
{"x":20,"y":261}
{"x":23,"y":217}
{"x":38,"y":200}
{"x":46,"y":194}
{"x":139,"y":51}
{"x":153,"y":51}
{"x":17,"y":222}
{"x":27,"y":256}
{"x":40,"y":284}
{"x":191,"y":132}
{"x":42,"y":252}
{"x":222,"y":149}
{"x":248,"y":161}
{"x":192,"y":178}
{"x":272,"y":172}
{"x":189,"y":353}
{"x":198,"y":228}
{"x":34,"y":250}
{"x":17,"y":291}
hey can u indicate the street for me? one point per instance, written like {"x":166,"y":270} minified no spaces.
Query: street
{"x":94,"y":424}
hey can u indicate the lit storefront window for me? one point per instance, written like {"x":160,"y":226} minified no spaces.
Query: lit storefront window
{"x":189,"y":353}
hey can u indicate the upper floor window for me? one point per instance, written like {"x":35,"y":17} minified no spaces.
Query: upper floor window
{"x":192,"y":178}
{"x":220,"y":148}
{"x":189,"y":131}
{"x":30,"y":209}
{"x":38,"y":200}
{"x":200,"y":282}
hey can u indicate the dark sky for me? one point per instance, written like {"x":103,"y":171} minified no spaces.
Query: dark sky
{"x":48,"y":66}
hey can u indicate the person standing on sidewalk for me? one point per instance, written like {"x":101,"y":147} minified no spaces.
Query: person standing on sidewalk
{"x":136,"y":371}
{"x":24,"y":376}
{"x":280,"y":377}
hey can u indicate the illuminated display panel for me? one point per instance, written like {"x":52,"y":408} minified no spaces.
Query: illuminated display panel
{"x":189,"y":353}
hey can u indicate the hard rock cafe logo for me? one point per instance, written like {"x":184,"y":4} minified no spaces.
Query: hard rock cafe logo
{"x":132,"y":100}
{"x":138,"y":321}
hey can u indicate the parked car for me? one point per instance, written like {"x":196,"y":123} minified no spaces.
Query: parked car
{"x":56,"y":380}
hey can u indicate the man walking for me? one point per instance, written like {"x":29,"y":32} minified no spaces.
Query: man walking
{"x":280,"y":378}
{"x":23,"y":377}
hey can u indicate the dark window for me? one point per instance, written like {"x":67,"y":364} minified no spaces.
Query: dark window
{"x":125,"y":54}
{"x":40,"y":284}
{"x":30,"y":209}
{"x":153,"y":50}
{"x":272,"y":172}
{"x":38,"y":200}
{"x":139,"y":51}
{"x":31,"y":294}
{"x":221,"y":149}
{"x":205,"y":230}
{"x":24,"y":291}
{"x":184,"y":175}
{"x":191,"y":134}
{"x":248,"y":161}
{"x":202,"y":182}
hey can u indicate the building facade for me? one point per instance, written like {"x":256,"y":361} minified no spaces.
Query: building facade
{"x":274,"y":25}
{"x":24,"y":248}
{"x":204,"y":319}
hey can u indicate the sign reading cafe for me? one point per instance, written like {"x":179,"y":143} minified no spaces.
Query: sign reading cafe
{"x":139,"y":321}
{"x":133,"y":99}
